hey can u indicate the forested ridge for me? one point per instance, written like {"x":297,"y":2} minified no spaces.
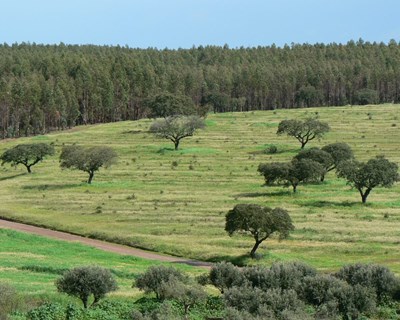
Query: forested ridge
{"x":48,"y":87}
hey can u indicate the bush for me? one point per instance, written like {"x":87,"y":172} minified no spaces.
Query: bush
{"x":289,"y":275}
{"x":257,"y":277}
{"x":334,"y":297}
{"x":373,"y":276}
{"x":47,"y":311}
{"x":272,"y":149}
{"x":152,"y":280}
{"x":225,"y":275}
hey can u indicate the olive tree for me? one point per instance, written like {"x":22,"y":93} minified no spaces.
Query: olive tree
{"x":365,"y":176}
{"x":27,"y":154}
{"x":176,"y":128}
{"x":185,"y":293}
{"x":154,"y":277}
{"x":303,"y":131}
{"x":260,"y":222}
{"x":88,"y":159}
{"x":83,"y":282}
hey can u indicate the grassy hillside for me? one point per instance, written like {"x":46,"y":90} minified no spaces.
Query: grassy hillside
{"x":146,"y":201}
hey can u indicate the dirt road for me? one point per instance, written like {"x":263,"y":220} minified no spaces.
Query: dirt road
{"x":102,"y":245}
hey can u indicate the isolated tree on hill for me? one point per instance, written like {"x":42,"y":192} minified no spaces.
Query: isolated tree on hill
{"x":166,"y":105}
{"x":339,"y":152}
{"x":88,"y":159}
{"x":27,"y":154}
{"x":322,"y":157}
{"x":82,"y":282}
{"x":260,"y":222}
{"x":303,"y":131}
{"x":176,"y":128}
{"x":365,"y":176}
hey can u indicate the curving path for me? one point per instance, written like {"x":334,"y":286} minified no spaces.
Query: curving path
{"x":102,"y":245}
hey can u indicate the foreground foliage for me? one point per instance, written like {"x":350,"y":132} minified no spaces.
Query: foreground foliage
{"x":283,"y":291}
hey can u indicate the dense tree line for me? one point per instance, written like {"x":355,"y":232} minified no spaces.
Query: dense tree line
{"x":47,"y":87}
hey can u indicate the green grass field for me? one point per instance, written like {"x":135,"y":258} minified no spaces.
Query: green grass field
{"x":145,"y":201}
{"x":32,"y":263}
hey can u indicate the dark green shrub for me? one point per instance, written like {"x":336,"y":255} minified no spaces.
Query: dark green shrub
{"x":47,"y":311}
{"x":333,"y":297}
{"x":244,"y":298}
{"x":225,"y":275}
{"x":373,"y":276}
{"x":257,"y":276}
{"x":280,"y":302}
{"x":272,"y":149}
{"x":154,"y":277}
{"x":289,"y":275}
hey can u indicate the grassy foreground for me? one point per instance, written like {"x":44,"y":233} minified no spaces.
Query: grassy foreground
{"x":32,"y":263}
{"x":175,"y":201}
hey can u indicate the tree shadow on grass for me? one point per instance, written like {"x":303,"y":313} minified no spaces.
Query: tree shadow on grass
{"x":164,"y":150}
{"x":324,"y":204}
{"x":134,"y":131}
{"x":239,"y":261}
{"x":263,"y":194}
{"x":13,"y":176}
{"x":43,"y":187}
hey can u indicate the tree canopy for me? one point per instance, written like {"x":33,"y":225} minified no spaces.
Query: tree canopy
{"x":365,"y":176}
{"x":88,"y":159}
{"x":27,"y":154}
{"x":176,"y":128}
{"x":50,"y":87}
{"x":339,"y":152}
{"x":260,"y":222}
{"x":168,"y":105}
{"x":303,"y":131}
{"x":322,"y":157}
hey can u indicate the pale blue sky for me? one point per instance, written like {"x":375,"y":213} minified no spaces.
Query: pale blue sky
{"x":184,"y":23}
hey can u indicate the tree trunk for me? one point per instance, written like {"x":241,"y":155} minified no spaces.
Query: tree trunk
{"x":253,"y":251}
{"x":303,"y":144}
{"x":322,"y":178}
{"x":365,"y":195}
{"x":186,"y":312}
{"x":85,"y":302}
{"x":91,"y":174}
{"x":294,"y":187}
{"x":29,"y":169}
{"x":176,"y":143}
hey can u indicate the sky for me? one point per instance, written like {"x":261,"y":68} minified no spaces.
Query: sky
{"x":186,"y":23}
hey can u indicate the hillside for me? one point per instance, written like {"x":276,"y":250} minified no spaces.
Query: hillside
{"x":146,"y":200}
